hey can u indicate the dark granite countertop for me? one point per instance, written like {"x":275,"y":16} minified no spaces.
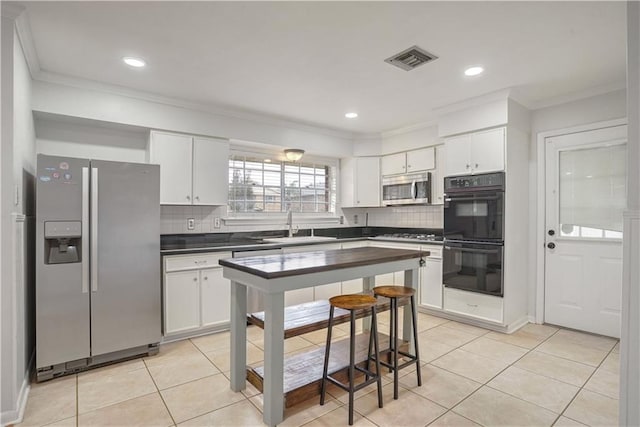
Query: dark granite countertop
{"x":174,"y":244}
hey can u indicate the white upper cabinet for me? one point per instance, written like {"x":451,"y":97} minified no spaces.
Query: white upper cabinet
{"x":421,"y":160}
{"x":477,"y":152}
{"x":393,"y":164}
{"x":193,"y":170}
{"x":408,"y":162}
{"x":174,"y":155}
{"x":210,"y":171}
{"x":360,"y":182}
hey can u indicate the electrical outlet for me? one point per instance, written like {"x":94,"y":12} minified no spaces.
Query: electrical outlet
{"x":191,"y":223}
{"x":216,"y":222}
{"x":341,"y":219}
{"x":355,"y":219}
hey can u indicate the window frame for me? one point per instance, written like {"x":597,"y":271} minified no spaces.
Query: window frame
{"x":262,"y":217}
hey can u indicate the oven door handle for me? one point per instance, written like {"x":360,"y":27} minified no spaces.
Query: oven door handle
{"x":468,"y":199}
{"x":477,"y":251}
{"x":414,"y":190}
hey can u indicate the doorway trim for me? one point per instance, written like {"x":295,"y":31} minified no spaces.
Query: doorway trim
{"x":541,"y":201}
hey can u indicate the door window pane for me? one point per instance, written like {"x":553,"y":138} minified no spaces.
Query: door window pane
{"x":592,"y":192}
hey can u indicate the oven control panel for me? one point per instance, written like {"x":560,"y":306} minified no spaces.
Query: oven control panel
{"x":488,"y":181}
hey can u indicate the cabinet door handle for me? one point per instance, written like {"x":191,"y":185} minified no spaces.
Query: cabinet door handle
{"x":198,"y":197}
{"x":468,"y":166}
{"x":188,"y":197}
{"x":195,"y":279}
{"x":206,"y":278}
{"x":476,"y":166}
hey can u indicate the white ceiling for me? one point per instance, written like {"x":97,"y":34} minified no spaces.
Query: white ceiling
{"x":313,"y":61}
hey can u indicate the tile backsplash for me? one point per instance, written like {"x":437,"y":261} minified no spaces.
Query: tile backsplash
{"x":400,"y":216}
{"x":173,"y":219}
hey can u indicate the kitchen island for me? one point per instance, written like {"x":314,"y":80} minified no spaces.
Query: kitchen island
{"x":273,"y":275}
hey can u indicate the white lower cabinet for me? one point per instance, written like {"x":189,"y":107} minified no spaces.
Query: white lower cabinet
{"x":195,"y":296}
{"x":473,"y":304}
{"x":431,"y":278}
{"x":182,"y":297}
{"x":215,"y":297}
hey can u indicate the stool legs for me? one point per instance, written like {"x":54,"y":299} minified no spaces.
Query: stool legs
{"x":415,"y":338}
{"x":374,"y":333}
{"x":394,"y":351}
{"x":325,"y":369}
{"x":370,"y":377}
{"x":352,"y":364}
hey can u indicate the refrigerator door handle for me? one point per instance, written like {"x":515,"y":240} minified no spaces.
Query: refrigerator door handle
{"x":85,"y":230}
{"x":94,"y":229}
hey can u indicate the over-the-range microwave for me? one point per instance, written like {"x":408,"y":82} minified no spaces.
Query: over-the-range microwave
{"x":410,"y":189}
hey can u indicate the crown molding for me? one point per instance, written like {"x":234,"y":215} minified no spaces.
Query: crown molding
{"x":65,"y":80}
{"x":11,"y":10}
{"x":576,"y":96}
{"x":23,"y":28}
{"x":499,"y":95}
{"x":411,"y":128}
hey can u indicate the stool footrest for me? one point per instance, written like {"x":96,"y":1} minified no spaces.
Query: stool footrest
{"x":356,"y":387}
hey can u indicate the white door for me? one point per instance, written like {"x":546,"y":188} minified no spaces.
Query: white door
{"x":585,"y":197}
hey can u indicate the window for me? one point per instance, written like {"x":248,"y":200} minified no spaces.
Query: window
{"x":592,"y":192}
{"x":259,"y":185}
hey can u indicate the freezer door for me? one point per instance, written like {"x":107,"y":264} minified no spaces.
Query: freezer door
{"x":62,"y":296}
{"x":125,"y":268}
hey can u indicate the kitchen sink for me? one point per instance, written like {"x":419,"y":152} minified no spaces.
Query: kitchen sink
{"x":301,"y":239}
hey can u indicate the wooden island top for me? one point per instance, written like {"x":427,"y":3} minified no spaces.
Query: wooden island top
{"x":293,"y":264}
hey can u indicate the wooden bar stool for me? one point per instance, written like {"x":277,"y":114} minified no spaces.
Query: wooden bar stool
{"x":393,"y":293}
{"x":353,"y":303}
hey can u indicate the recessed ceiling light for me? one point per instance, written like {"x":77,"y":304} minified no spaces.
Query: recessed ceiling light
{"x":589,"y":176}
{"x":134,"y":62}
{"x":473,"y":71}
{"x":351,"y":115}
{"x":267,"y":160}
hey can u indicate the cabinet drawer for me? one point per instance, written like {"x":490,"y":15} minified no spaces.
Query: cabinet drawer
{"x":485,"y":307}
{"x":193,"y":262}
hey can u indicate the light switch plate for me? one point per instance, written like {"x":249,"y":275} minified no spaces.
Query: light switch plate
{"x":191,"y":223}
{"x":355,"y":219}
{"x":216,"y":222}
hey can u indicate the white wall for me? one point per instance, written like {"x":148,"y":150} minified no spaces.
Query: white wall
{"x":136,"y":110}
{"x":405,"y":141}
{"x":17,"y":200}
{"x":598,"y":108}
{"x":73,"y":139}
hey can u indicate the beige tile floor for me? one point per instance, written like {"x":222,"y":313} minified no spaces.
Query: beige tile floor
{"x":538,"y":376}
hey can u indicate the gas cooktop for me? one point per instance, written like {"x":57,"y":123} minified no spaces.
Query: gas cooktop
{"x":410,"y":237}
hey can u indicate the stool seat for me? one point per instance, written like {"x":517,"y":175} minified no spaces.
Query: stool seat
{"x":390,"y":291}
{"x":353,"y":302}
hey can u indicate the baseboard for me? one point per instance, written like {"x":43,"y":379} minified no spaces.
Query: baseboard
{"x":15,"y":416}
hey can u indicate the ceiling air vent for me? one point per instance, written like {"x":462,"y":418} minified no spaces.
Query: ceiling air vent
{"x":411,"y":58}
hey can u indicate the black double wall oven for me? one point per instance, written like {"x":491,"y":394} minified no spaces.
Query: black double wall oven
{"x":473,"y":233}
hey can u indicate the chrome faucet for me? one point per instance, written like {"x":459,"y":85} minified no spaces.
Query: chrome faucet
{"x":290,"y":222}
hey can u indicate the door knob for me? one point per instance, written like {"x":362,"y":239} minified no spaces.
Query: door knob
{"x":551,"y":245}
{"x":551,"y":232}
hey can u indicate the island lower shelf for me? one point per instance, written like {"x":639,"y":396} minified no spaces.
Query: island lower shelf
{"x":303,"y":371}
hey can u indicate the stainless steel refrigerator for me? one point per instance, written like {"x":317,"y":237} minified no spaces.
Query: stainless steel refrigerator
{"x":98,"y":286}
